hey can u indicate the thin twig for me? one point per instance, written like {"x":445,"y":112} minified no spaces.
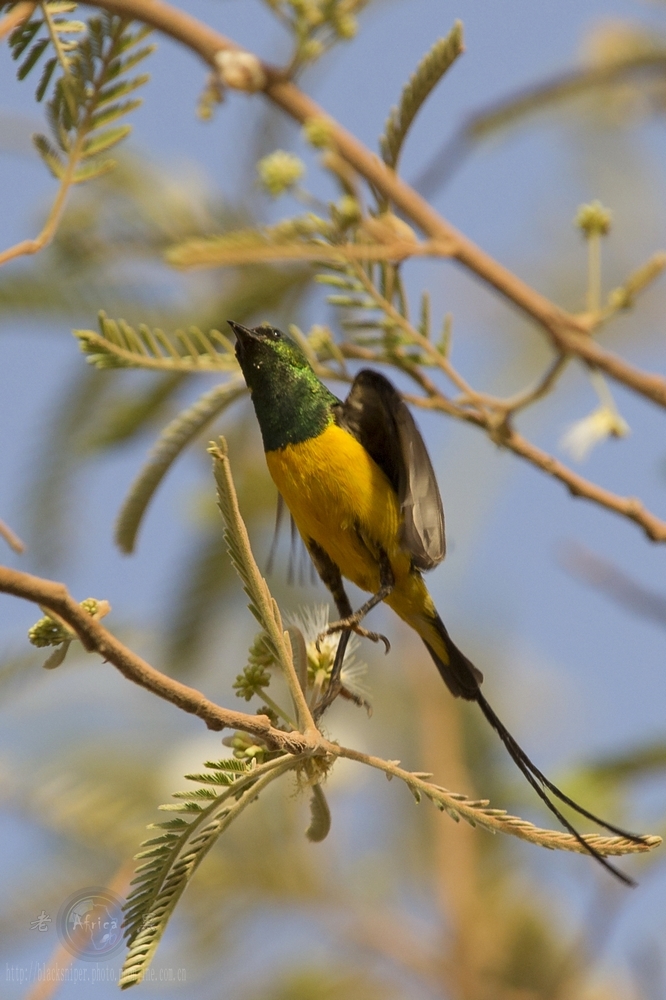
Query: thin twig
{"x":435,"y":356}
{"x":18,"y":15}
{"x":96,"y":638}
{"x":569,"y":333}
{"x":498,"y":427}
{"x":512,"y":404}
{"x":12,"y":539}
{"x":28,"y":247}
{"x":506,"y":437}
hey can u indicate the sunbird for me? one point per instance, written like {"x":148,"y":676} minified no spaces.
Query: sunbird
{"x":360,"y":487}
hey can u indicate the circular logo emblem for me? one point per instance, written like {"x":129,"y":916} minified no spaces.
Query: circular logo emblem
{"x":90,"y":924}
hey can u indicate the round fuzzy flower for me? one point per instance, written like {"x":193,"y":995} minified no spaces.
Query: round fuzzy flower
{"x":318,"y":132}
{"x":279,"y":171}
{"x":593,"y":219}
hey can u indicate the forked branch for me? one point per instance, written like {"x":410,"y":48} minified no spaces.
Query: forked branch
{"x":96,"y":638}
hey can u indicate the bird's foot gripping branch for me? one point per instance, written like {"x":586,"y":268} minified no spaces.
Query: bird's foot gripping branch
{"x":275,"y":742}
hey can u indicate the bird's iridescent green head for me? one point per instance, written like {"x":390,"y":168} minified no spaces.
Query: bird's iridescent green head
{"x":291,"y":404}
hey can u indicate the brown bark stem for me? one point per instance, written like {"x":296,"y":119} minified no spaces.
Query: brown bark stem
{"x":96,"y":638}
{"x":569,"y":333}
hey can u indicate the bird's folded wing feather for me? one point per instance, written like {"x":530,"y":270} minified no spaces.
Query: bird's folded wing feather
{"x":379,"y":419}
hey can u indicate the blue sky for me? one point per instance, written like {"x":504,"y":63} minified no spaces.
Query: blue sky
{"x":575,"y":675}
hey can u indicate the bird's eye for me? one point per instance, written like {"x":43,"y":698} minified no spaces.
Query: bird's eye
{"x":269,"y":332}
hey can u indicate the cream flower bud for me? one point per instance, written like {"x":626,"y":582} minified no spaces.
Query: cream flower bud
{"x":240,"y":70}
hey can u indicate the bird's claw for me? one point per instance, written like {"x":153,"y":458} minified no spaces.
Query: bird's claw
{"x":353,"y":625}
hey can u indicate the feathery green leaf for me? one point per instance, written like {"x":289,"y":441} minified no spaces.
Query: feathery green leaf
{"x":83,"y":96}
{"x":100,"y":142}
{"x":49,"y":155}
{"x":427,"y":75}
{"x":118,"y":345}
{"x":171,"y":442}
{"x":161,"y":881}
{"x":114,"y":111}
{"x":93,"y":169}
{"x":47,"y":73}
{"x":35,"y":52}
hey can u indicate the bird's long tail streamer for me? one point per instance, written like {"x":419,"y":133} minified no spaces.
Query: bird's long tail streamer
{"x":460,"y":675}
{"x":537,"y":779}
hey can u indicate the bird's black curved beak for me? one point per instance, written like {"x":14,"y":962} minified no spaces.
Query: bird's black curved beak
{"x":241,"y":332}
{"x":243,"y":337}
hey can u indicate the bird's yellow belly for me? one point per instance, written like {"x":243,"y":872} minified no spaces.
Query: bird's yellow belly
{"x":340,"y":498}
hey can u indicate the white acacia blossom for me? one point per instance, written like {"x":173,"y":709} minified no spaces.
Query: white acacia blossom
{"x":312,"y":621}
{"x":581,"y":437}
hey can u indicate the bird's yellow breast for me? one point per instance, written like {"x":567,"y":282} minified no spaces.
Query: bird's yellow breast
{"x":340,"y":498}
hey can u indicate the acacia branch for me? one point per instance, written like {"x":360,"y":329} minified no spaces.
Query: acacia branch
{"x":12,"y":539}
{"x":32,"y":246}
{"x":578,"y":486}
{"x":496,"y":424}
{"x":569,"y":333}
{"x":55,"y":598}
{"x":506,"y":436}
{"x":96,"y":638}
{"x":493,"y":415}
{"x":256,"y":586}
{"x":525,"y":398}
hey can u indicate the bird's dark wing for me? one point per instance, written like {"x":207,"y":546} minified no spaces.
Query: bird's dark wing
{"x":378,"y":418}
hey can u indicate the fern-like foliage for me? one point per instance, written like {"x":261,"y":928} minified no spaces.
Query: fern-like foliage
{"x":171,"y":442}
{"x":375,"y":312}
{"x":91,"y":95}
{"x":427,"y":75}
{"x":293,"y":239}
{"x":169,"y":860}
{"x":118,"y":345}
{"x":361,"y":310}
{"x":363,"y":314}
{"x":262,"y":604}
{"x":50,"y":25}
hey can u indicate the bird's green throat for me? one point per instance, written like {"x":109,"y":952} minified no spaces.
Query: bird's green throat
{"x":291,"y":404}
